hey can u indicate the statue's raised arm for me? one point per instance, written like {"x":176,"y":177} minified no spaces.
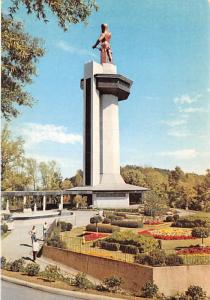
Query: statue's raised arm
{"x":104,"y":41}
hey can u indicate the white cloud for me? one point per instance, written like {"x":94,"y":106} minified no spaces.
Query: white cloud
{"x":178,"y":132}
{"x":73,"y":50}
{"x":184,"y":99}
{"x":175,"y":123}
{"x":191,"y":110}
{"x":181,"y":154}
{"x":35,"y":133}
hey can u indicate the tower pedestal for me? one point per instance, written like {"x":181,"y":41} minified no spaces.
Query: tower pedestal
{"x":103,"y":88}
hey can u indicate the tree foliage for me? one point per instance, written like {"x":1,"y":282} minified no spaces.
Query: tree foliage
{"x":50,"y":175}
{"x":21,"y":173}
{"x":179,"y":189}
{"x":67,"y":12}
{"x":20,"y":52}
{"x":12,"y":161}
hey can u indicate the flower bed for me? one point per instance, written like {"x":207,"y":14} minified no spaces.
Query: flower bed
{"x":169,"y":234}
{"x":153,"y":222}
{"x":194,"y":250}
{"x":92,"y":236}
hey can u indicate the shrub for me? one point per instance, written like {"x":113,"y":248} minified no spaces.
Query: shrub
{"x":102,"y":228}
{"x":187,"y":223}
{"x":55,"y":241}
{"x":129,"y":224}
{"x":32,"y":269}
{"x":121,"y":214}
{"x":200,"y":232}
{"x":51,"y":273}
{"x":128,"y":237}
{"x":3,"y":262}
{"x":109,"y":246}
{"x":8,"y":266}
{"x":174,"y":260}
{"x":156,"y":258}
{"x":129,"y":249}
{"x":4,"y":228}
{"x":17,"y":265}
{"x":106,"y":221}
{"x":101,"y":287}
{"x":64,"y":226}
{"x":95,"y":220}
{"x":169,"y":219}
{"x":176,"y":217}
{"x":112,"y":283}
{"x":149,"y":290}
{"x":114,"y":216}
{"x":196,"y":292}
{"x":81,"y":281}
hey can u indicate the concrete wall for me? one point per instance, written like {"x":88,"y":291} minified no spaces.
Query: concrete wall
{"x":134,"y":276}
{"x":170,"y":280}
{"x":111,"y":202}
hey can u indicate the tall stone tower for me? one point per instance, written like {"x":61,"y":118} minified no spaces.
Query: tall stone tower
{"x":103,"y":88}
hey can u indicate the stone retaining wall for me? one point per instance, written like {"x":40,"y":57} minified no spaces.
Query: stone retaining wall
{"x":169,"y":279}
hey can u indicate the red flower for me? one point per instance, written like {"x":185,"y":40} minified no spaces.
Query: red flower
{"x":195,"y":250}
{"x":92,"y":236}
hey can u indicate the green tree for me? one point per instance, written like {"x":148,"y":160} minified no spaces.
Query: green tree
{"x":133,"y":175}
{"x":32,"y":169}
{"x":66,"y":184}
{"x":50,"y":175}
{"x":20,"y":52}
{"x":77,"y":180}
{"x":175,"y":177}
{"x":13,"y":176}
{"x":154,"y":205}
{"x":67,"y":12}
{"x":80,"y":201}
{"x":203,"y":190}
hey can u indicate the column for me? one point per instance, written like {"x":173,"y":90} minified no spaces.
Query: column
{"x":44,"y":202}
{"x":7,"y":205}
{"x":24,"y":200}
{"x":61,"y":204}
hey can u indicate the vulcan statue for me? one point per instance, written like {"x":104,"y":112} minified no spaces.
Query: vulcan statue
{"x":104,"y":41}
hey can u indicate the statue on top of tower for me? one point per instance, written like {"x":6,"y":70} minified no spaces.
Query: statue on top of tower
{"x":104,"y":41}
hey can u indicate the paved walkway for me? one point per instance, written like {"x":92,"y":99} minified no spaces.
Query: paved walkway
{"x":18,"y":243}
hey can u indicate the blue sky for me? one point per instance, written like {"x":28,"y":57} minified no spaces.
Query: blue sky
{"x":164,"y":47}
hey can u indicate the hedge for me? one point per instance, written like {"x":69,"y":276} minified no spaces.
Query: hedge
{"x":200,"y":232}
{"x":64,"y":226}
{"x":106,"y":228}
{"x":128,"y":237}
{"x":185,"y":223}
{"x":109,"y":246}
{"x":106,"y":221}
{"x":128,"y":224}
{"x":159,"y":258}
{"x":129,"y":249}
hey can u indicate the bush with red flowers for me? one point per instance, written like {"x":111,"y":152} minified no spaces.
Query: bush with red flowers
{"x":194,"y":250}
{"x":153,"y":222}
{"x":92,"y":236}
{"x":173,"y":237}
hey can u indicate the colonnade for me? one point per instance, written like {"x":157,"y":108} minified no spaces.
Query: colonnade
{"x":24,"y":196}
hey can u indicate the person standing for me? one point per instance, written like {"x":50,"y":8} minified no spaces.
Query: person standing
{"x":35,"y":249}
{"x":44,"y":230}
{"x":33,"y":234}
